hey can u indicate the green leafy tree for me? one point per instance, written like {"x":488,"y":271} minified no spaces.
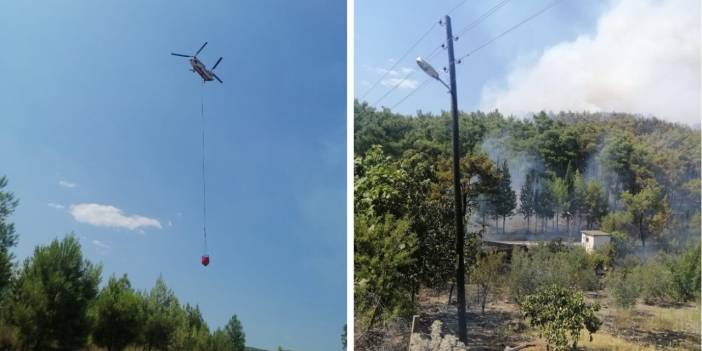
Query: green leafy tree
{"x":526,"y":199}
{"x":543,"y":202}
{"x":624,"y":288}
{"x":560,"y":314}
{"x":163,"y":317}
{"x":52,"y":294}
{"x":235,"y":334}
{"x":8,"y":237}
{"x":595,"y":206}
{"x":648,"y":209}
{"x":343,"y":338}
{"x":383,"y":253}
{"x":578,"y":198}
{"x":194,"y":333}
{"x":559,"y":189}
{"x":118,"y":315}
{"x":685,"y":274}
{"x":219,"y":341}
{"x":623,"y":164}
{"x":654,"y":280}
{"x":487,"y":274}
{"x":505,"y":197}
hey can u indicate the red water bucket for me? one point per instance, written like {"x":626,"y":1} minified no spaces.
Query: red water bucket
{"x":205,"y":260}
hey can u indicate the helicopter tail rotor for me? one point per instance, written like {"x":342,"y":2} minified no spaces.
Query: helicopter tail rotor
{"x":219,"y":80}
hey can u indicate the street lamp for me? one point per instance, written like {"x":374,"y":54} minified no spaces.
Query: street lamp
{"x":458,"y":208}
{"x":429,"y":70}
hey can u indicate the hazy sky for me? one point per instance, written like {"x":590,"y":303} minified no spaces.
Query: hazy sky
{"x":100,"y":135}
{"x":639,"y":56}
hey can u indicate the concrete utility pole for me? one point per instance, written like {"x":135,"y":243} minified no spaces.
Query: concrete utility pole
{"x":458,"y":206}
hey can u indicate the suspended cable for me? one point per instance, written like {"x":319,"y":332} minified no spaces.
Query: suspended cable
{"x":397,"y":62}
{"x":410,"y":93}
{"x":482,"y":18}
{"x":456,"y":7}
{"x":408,"y":51}
{"x":204,"y":192}
{"x":472,"y":25}
{"x":531,"y":17}
{"x":435,"y":51}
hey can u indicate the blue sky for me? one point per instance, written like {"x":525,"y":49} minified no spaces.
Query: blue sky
{"x":640,"y":56}
{"x":96,"y":111}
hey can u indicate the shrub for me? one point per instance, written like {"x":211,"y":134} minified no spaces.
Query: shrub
{"x":560,"y":314}
{"x":654,"y":281}
{"x":623,"y":288}
{"x":685,"y":274}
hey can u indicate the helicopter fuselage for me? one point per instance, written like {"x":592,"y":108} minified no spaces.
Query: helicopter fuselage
{"x":199,"y":68}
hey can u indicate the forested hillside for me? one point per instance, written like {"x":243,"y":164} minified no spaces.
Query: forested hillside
{"x":540,"y":178}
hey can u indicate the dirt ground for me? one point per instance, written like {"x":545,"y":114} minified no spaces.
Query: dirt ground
{"x":642,"y":328}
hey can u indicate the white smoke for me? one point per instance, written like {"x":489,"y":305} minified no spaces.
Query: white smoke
{"x":644,"y":58}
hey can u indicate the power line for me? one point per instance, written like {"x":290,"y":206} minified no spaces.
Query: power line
{"x":534,"y":15}
{"x":395,"y":86}
{"x":472,"y":25}
{"x":481,"y":18}
{"x":456,"y":7}
{"x":397,"y":62}
{"x":435,"y":51}
{"x":411,"y":93}
{"x":408,"y":51}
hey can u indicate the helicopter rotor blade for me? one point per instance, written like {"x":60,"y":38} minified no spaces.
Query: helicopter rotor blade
{"x":202,"y":47}
{"x":174,"y":54}
{"x":214,"y":75}
{"x":216,"y":63}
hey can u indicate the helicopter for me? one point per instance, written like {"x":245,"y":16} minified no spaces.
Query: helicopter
{"x":200,"y":68}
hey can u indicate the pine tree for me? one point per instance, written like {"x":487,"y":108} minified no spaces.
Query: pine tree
{"x":526,"y":199}
{"x":506,"y":198}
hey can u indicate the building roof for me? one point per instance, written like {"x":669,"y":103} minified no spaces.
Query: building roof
{"x":595,"y":233}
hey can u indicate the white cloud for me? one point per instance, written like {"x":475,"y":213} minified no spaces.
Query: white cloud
{"x":644,"y":58}
{"x":403,"y":83}
{"x":394,"y":72}
{"x":110,"y":216}
{"x":55,"y":205}
{"x":66,"y":184}
{"x":100,"y":244}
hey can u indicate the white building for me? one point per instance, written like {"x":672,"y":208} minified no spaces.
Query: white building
{"x":594,"y":239}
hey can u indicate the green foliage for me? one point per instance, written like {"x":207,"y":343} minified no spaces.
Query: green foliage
{"x":194,"y":334}
{"x":623,"y":162}
{"x":559,"y":189}
{"x":383,"y":253}
{"x":163,"y":316}
{"x":623,"y":287}
{"x":648,"y":209}
{"x":526,"y":198}
{"x":488,"y":275}
{"x":560,"y":314}
{"x":343,"y":338}
{"x":550,"y":265}
{"x":504,"y":199}
{"x":654,"y":281}
{"x":595,"y":204}
{"x":685,"y":274}
{"x":118,"y":315}
{"x":8,"y":237}
{"x":235,"y":334}
{"x":52,"y":294}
